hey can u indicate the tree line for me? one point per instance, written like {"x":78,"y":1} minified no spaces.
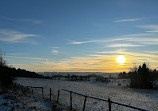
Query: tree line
{"x":73,"y":77}
{"x":141,"y":77}
{"x":9,"y":73}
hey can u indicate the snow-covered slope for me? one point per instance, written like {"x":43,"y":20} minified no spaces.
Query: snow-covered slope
{"x":142,"y":98}
{"x":13,"y":101}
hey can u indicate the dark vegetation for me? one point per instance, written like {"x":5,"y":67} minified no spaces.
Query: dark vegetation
{"x":141,"y":77}
{"x":80,"y":78}
{"x":8,"y":74}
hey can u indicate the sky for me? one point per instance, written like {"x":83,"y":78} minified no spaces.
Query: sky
{"x":79,"y":35}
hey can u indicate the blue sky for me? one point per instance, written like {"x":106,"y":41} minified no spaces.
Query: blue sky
{"x":79,"y":35}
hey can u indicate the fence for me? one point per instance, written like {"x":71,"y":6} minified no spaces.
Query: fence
{"x":85,"y":99}
{"x":106,"y":100}
{"x":31,"y":87}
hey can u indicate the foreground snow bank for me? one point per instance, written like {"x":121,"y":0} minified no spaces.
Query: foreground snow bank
{"x":13,"y":101}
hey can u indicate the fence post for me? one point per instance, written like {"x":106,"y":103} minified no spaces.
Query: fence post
{"x":50,"y":94}
{"x":58,"y":96}
{"x":70,"y":100}
{"x":84,"y":103}
{"x":42,"y":93}
{"x":109,"y":103}
{"x":32,"y":90}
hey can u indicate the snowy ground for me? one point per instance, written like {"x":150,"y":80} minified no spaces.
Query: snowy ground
{"x":147,"y":99}
{"x":16,"y":101}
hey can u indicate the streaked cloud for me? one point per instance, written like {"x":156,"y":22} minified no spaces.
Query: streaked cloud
{"x":128,"y":20}
{"x":17,"y":53}
{"x":13,"y":35}
{"x":121,"y":52}
{"x":124,"y":45}
{"x":103,"y":62}
{"x":93,"y":41}
{"x":35,"y":21}
{"x":142,"y":39}
{"x":83,"y":42}
{"x":26,"y":58}
{"x":151,"y":52}
{"x":55,"y":50}
{"x":151,"y":28}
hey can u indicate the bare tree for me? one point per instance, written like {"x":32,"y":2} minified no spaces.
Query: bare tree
{"x":2,"y":60}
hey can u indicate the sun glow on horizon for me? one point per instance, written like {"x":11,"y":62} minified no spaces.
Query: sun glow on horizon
{"x":121,"y":59}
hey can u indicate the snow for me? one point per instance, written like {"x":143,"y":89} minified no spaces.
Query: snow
{"x":13,"y":101}
{"x":142,"y":98}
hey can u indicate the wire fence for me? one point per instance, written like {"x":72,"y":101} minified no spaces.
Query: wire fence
{"x":95,"y":98}
{"x":74,"y":100}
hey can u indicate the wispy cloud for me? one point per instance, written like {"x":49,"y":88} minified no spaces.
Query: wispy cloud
{"x":35,"y":21}
{"x":151,"y":52}
{"x":26,"y":58}
{"x":128,"y":20}
{"x":123,"y":45}
{"x":151,"y":28}
{"x":101,"y":62}
{"x":82,"y":42}
{"x":141,"y":39}
{"x":13,"y":35}
{"x":92,"y":41}
{"x":55,"y":50}
{"x":134,"y":54}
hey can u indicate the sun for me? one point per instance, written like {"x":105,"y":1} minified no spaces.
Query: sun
{"x":121,"y":59}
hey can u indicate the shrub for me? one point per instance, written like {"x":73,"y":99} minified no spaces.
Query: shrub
{"x":141,"y":77}
{"x":6,"y":74}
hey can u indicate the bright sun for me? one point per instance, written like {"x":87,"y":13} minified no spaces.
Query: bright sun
{"x":121,"y":59}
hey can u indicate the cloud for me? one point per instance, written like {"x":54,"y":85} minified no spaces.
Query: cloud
{"x":123,"y":45}
{"x":140,"y":39}
{"x":128,"y":20}
{"x":92,"y":41}
{"x":103,"y":62}
{"x":98,"y":63}
{"x":55,"y":50}
{"x":35,"y":21}
{"x":13,"y":35}
{"x":83,"y":42}
{"x":26,"y":58}
{"x":75,"y":42}
{"x":151,"y":52}
{"x":122,"y":52}
{"x":143,"y":38}
{"x":152,"y":28}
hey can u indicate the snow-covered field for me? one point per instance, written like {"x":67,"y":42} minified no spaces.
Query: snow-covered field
{"x":147,"y":99}
{"x":16,"y":101}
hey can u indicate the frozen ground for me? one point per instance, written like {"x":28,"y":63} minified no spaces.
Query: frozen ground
{"x":13,"y":101}
{"x":147,"y":99}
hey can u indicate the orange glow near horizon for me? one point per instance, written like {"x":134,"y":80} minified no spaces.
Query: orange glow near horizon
{"x":96,"y":63}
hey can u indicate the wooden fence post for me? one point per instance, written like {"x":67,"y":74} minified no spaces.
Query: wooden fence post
{"x":50,"y":94}
{"x":42,"y":93}
{"x":58,"y":96}
{"x":32,"y":90}
{"x":70,"y":100}
{"x":84,"y":103}
{"x":109,"y":103}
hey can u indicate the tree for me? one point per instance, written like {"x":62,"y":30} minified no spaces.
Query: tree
{"x":123,"y":75}
{"x":141,"y":77}
{"x":6,"y":74}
